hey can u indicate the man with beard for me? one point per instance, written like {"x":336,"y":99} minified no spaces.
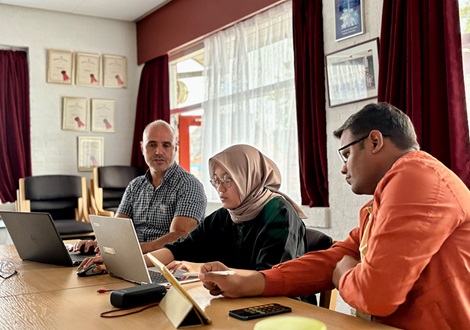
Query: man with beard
{"x":166,"y":202}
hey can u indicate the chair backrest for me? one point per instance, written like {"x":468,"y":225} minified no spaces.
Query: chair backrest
{"x":316,"y":241}
{"x":63,"y":196}
{"x":110,"y":182}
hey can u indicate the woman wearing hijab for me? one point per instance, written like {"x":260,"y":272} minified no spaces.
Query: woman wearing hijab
{"x":256,"y":228}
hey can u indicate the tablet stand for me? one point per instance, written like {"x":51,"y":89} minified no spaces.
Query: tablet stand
{"x":179,"y":310}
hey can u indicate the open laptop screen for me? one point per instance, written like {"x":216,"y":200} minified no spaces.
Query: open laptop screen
{"x":36,"y":238}
{"x":121,"y":251}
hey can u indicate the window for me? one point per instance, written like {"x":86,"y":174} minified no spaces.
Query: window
{"x":186,"y":97}
{"x":241,"y":83}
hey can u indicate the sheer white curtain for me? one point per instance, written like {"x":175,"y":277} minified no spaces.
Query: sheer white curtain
{"x":250,"y":93}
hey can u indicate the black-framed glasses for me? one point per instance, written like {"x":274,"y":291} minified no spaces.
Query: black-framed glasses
{"x":344,"y":159}
{"x":226,"y":183}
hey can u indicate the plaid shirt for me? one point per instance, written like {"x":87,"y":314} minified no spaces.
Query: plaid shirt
{"x":152,"y":209}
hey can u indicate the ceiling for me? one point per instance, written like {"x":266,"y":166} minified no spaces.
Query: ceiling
{"x":124,"y":10}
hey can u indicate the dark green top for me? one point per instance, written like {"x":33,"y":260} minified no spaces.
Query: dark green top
{"x":275,"y":235}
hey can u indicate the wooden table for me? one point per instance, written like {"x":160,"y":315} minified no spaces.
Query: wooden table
{"x":43,"y":296}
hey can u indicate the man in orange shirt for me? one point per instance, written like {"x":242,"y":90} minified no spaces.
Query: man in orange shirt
{"x":408,"y":263}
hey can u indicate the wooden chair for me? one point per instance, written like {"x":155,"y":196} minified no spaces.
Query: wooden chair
{"x":316,"y":241}
{"x":107,"y":187}
{"x":63,"y":196}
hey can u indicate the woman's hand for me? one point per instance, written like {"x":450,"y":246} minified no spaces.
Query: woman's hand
{"x":175,"y":265}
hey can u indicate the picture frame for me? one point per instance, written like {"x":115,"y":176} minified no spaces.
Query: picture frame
{"x":59,"y":67}
{"x":352,"y":73}
{"x":114,"y":71}
{"x":75,"y":114}
{"x":87,"y":69}
{"x":90,"y":152}
{"x":102,"y":115}
{"x":349,"y":19}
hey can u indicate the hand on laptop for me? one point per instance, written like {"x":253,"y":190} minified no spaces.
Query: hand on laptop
{"x":85,"y":247}
{"x":175,"y":265}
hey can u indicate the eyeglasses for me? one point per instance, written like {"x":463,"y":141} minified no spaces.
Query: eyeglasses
{"x":226,"y":183}
{"x":341,"y":156}
{"x":7,"y":269}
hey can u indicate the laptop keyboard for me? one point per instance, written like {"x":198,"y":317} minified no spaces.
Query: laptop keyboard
{"x":157,"y":277}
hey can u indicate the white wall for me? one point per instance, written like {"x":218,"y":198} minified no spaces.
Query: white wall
{"x":54,"y":151}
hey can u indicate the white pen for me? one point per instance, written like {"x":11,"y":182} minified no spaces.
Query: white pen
{"x":218,"y":272}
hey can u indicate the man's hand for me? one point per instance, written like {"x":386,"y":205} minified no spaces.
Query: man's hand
{"x":345,"y":264}
{"x":244,"y":283}
{"x":98,"y":260}
{"x":89,"y":244}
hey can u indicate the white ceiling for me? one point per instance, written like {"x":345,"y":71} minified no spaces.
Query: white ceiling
{"x":124,"y":10}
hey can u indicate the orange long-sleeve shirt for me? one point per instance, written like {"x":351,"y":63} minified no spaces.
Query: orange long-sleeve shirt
{"x":416,"y":273}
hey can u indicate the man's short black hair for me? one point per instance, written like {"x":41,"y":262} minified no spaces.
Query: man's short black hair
{"x":387,"y":119}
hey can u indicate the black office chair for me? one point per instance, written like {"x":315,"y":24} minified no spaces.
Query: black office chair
{"x":63,"y":196}
{"x":108,"y":186}
{"x":316,"y":241}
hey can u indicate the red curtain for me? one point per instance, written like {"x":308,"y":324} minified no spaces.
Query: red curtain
{"x":153,"y":102}
{"x":421,"y":73}
{"x":310,"y":98}
{"x":15,"y":142}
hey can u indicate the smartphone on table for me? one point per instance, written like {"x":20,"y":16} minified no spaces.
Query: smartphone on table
{"x":255,"y":312}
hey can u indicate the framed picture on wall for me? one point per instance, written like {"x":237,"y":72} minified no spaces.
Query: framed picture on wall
{"x":102,"y":115}
{"x":114,"y":71}
{"x":90,"y":152}
{"x":87,"y":69}
{"x":59,"y":67}
{"x":75,"y":114}
{"x":352,"y":73}
{"x":349,"y":19}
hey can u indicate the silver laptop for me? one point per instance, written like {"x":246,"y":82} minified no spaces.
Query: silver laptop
{"x":36,"y":238}
{"x":122,"y":254}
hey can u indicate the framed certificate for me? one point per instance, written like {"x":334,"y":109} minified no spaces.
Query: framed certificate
{"x":352,"y":73}
{"x":90,"y":152}
{"x":114,"y":71}
{"x":102,"y":115}
{"x":59,"y":67}
{"x":75,"y":114}
{"x":87,"y":69}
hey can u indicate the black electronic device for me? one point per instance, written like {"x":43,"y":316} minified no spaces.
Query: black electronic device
{"x":255,"y":312}
{"x":88,"y":271}
{"x":137,"y":295}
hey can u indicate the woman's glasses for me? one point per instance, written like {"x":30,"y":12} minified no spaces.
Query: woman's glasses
{"x":226,"y":183}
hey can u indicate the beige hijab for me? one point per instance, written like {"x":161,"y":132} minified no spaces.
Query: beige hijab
{"x":256,"y":176}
